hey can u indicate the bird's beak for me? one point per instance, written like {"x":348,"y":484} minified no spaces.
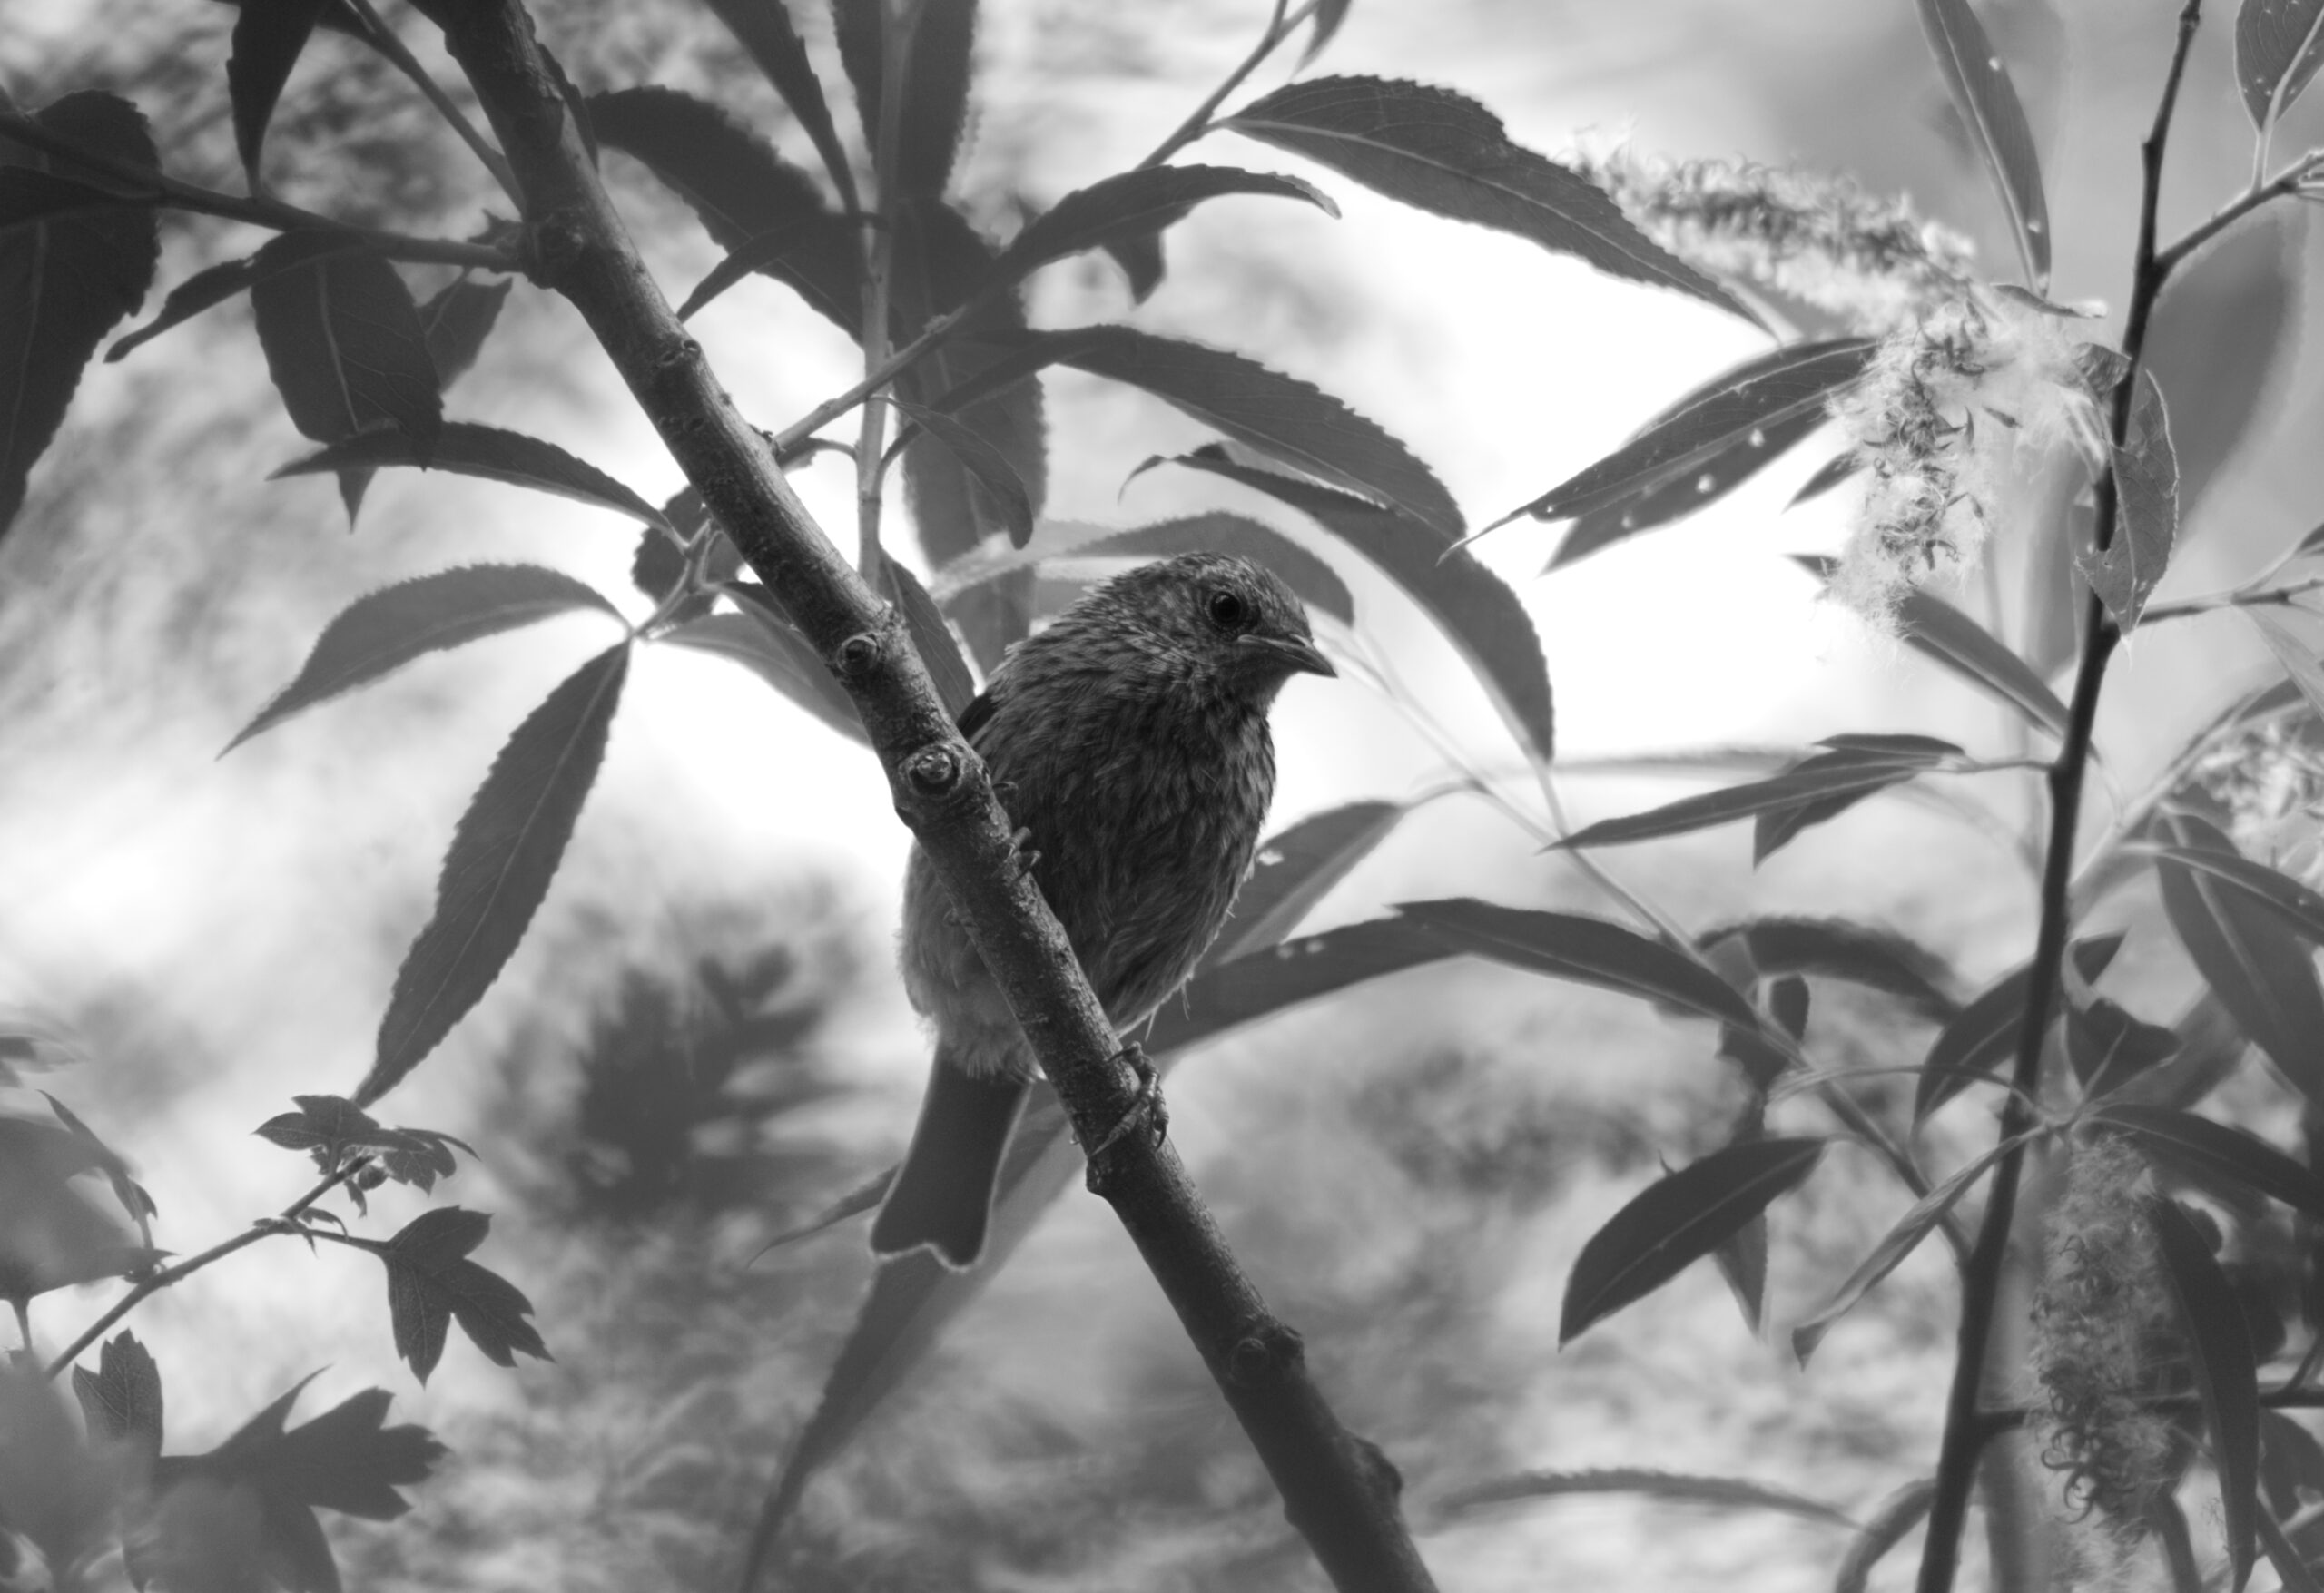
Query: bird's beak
{"x":1296,"y":654}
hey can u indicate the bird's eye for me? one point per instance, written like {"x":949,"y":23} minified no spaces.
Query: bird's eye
{"x":1227,"y":610}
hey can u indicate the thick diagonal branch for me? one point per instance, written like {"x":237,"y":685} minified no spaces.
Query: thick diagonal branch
{"x":1337,"y":1489}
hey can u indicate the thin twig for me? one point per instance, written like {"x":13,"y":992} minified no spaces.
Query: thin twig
{"x":2285,"y":183}
{"x":2242,"y":598}
{"x":284,"y":1221}
{"x":1964,"y":1432}
{"x":384,"y":40}
{"x":879,"y":234}
{"x":1279,"y":28}
{"x":261,"y":212}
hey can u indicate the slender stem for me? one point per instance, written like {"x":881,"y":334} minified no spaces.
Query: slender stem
{"x":262,"y":213}
{"x":1199,"y":121}
{"x":1981,"y":1276}
{"x":23,"y":1307}
{"x":2242,"y":598}
{"x":284,"y":1221}
{"x":384,"y":40}
{"x":2286,"y":182}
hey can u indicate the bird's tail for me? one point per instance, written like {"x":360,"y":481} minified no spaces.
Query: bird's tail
{"x":942,"y":1196}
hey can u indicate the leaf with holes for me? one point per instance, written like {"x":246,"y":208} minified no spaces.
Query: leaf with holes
{"x":381,"y":632}
{"x":64,"y":282}
{"x":1444,"y":154}
{"x":2279,"y":46}
{"x":1984,"y":1036}
{"x":1591,"y":951}
{"x":2225,"y":1375}
{"x":1295,"y":868}
{"x":431,"y":1285}
{"x":2248,"y":955}
{"x":1995,"y":121}
{"x":1138,"y":203}
{"x":504,"y":854}
{"x":1682,"y":494}
{"x":465,"y":448}
{"x":1677,"y":1220}
{"x":2146,"y":522}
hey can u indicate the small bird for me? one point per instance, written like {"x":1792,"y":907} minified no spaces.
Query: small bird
{"x":1128,"y":741}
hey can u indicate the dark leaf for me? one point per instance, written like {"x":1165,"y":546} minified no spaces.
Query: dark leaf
{"x":762,"y":640}
{"x":954,"y":685}
{"x":122,"y":1399}
{"x":382,"y":632}
{"x":431,"y":1283}
{"x":1444,"y":154}
{"x":1328,"y":16}
{"x":1863,"y":954}
{"x":2290,"y":1565}
{"x":1590,"y":951}
{"x":1140,"y":259}
{"x":987,"y":466}
{"x":2291,"y":1460}
{"x":935,"y":83}
{"x":1295,"y":868}
{"x":1134,"y":204}
{"x":28,"y":195}
{"x":1900,"y":1241}
{"x":1681,"y":494}
{"x":2278,"y":44}
{"x":761,"y":253}
{"x":324,"y":1126}
{"x":2213,"y":1154}
{"x":456,"y":323}
{"x":739,"y":188}
{"x":1838,"y":777}
{"x":764,"y":28}
{"x":2248,"y":955}
{"x":1470,"y":606}
{"x":1828,"y":475}
{"x":1676,"y":1221}
{"x":1964,"y":646}
{"x":1988,"y":101}
{"x":2107,"y":1047}
{"x":64,"y":282}
{"x":2225,"y":1375}
{"x":269,"y":35}
{"x":132,"y":1195}
{"x":503,"y":856}
{"x":284,"y":253}
{"x":1673,"y":1487}
{"x":1260,"y":984}
{"x":1280,"y":416}
{"x":1983,"y":1040}
{"x":1316,"y":583}
{"x":53,"y":1235}
{"x":2300,"y":909}
{"x":465,"y":448}
{"x":1711,"y":423}
{"x":2146,"y":522}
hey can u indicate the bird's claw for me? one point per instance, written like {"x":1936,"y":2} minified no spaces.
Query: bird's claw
{"x":1147,"y":1110}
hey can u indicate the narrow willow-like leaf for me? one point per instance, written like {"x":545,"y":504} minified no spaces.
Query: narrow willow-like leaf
{"x":2279,"y":46}
{"x":385,"y":629}
{"x":1134,"y":205}
{"x":769,"y":649}
{"x":63,"y":284}
{"x":285,"y":251}
{"x":2283,"y":1554}
{"x":1591,"y":951}
{"x":1444,"y":154}
{"x":2146,"y":522}
{"x":465,"y":448}
{"x":1876,"y":958}
{"x":1294,"y":869}
{"x":2248,"y":955}
{"x":1712,"y":421}
{"x":504,"y":854}
{"x":1328,"y":16}
{"x":935,"y":82}
{"x":2107,"y":1047}
{"x":988,"y":466}
{"x":1736,"y":1493}
{"x":2216,"y":1154}
{"x":1898,"y":1514}
{"x":2225,"y":1375}
{"x":1984,"y":1036}
{"x":1933,"y":626}
{"x":1829,"y":476}
{"x":1472,"y":607}
{"x":1280,"y":416}
{"x":1995,"y":121}
{"x":2300,"y":909}
{"x":1263,"y":982}
{"x":1823,"y":779}
{"x":764,"y":29}
{"x":1316,"y":583}
{"x":1677,"y":1220}
{"x":759,"y":253}
{"x":1900,"y":1241}
{"x":1681,"y":494}
{"x":955,"y":685}
{"x":2298,"y":659}
{"x":269,"y":38}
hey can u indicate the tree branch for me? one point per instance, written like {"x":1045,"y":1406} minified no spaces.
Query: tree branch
{"x":1337,"y":1490}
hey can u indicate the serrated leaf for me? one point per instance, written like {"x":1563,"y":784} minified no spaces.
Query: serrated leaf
{"x":1470,"y":606}
{"x":431,"y":1285}
{"x":1589,"y":950}
{"x":466,"y":448}
{"x":1681,"y":494}
{"x":1444,"y":154}
{"x":63,"y":283}
{"x":2146,"y":521}
{"x":122,"y":1399}
{"x":765,"y":644}
{"x":1840,"y":776}
{"x":2248,"y":955}
{"x":935,"y":83}
{"x":1984,"y":1035}
{"x":1987,"y":101}
{"x":2279,"y":46}
{"x":1903,"y":1237}
{"x":1134,"y":205}
{"x":1675,"y":1222}
{"x":285,"y":251}
{"x":2215,"y":1153}
{"x":991,"y":468}
{"x":760,"y":253}
{"x":504,"y":854}
{"x":2225,"y":1375}
{"x":1944,"y":633}
{"x":456,"y":323}
{"x":381,"y":632}
{"x":1316,"y":583}
{"x":739,"y":188}
{"x":28,"y":196}
{"x":269,"y":38}
{"x":955,"y":687}
{"x":1708,"y":424}
{"x":1280,"y":416}
{"x":764,"y":29}
{"x":1864,"y":954}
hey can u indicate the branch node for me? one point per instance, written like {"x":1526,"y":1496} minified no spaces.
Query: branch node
{"x":934,"y":770}
{"x":559,"y":241}
{"x":1270,"y":1349}
{"x":681,"y":351}
{"x":858,"y":655}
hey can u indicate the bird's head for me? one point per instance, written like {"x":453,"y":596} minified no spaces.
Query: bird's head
{"x":1219,"y":620}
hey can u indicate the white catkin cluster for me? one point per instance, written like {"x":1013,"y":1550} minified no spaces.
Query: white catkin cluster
{"x":1964,"y":376}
